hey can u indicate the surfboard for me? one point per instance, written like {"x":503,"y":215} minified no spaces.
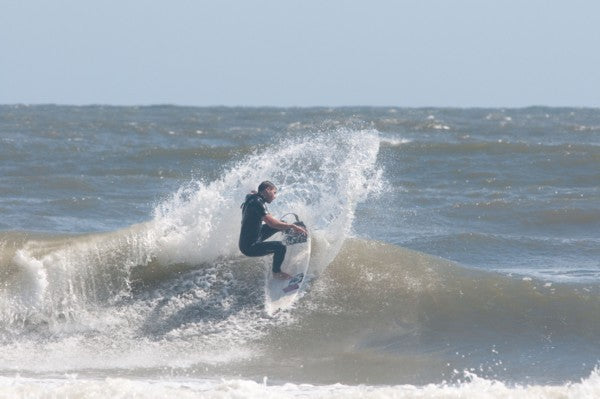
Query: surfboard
{"x":281,"y":294}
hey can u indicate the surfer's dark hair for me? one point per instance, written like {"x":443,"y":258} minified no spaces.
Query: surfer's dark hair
{"x":264,"y":185}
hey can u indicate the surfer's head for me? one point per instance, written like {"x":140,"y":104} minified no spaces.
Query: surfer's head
{"x":267,"y":190}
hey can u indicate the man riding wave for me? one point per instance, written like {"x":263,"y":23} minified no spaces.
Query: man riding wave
{"x":254,"y":232}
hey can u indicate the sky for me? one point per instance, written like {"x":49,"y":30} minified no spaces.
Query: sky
{"x":407,"y":53}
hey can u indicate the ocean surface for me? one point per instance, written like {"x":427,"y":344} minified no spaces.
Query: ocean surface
{"x":456,"y":252}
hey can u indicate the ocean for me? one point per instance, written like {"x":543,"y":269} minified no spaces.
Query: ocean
{"x":455,"y":252}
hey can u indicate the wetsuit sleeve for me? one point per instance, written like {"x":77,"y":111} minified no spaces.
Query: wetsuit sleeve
{"x":262,"y":209}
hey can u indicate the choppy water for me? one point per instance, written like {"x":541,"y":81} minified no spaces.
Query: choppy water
{"x":456,"y":252}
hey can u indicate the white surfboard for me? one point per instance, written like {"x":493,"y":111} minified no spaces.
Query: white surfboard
{"x":281,"y":294}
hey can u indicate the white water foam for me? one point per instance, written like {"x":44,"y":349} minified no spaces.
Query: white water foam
{"x":473,"y":387}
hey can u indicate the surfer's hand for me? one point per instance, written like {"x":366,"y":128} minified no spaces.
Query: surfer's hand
{"x":298,"y":229}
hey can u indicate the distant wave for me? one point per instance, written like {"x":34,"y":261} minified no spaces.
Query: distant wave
{"x":395,"y":142}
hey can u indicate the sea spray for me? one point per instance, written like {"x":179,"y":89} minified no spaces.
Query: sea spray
{"x":321,"y":177}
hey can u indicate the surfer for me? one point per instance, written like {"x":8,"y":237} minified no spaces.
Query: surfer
{"x":254,"y":232}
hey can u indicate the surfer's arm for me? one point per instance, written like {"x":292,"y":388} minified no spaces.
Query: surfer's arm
{"x":280,"y":225}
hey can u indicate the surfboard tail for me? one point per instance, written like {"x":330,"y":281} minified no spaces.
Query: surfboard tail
{"x":291,"y":288}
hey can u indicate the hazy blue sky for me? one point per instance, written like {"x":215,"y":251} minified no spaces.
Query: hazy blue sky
{"x":461,"y":53}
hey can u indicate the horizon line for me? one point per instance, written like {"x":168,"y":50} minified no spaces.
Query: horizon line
{"x":175,"y":105}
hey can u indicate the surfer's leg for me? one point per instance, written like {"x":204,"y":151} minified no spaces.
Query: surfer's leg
{"x":266,"y":231}
{"x":269,"y":247}
{"x":278,"y":256}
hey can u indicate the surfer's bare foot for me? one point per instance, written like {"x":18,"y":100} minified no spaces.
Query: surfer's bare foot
{"x":281,"y":276}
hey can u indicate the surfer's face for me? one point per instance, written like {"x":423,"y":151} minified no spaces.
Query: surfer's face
{"x":269,"y":194}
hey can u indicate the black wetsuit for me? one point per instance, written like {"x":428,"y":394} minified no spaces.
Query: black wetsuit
{"x":254,"y":232}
